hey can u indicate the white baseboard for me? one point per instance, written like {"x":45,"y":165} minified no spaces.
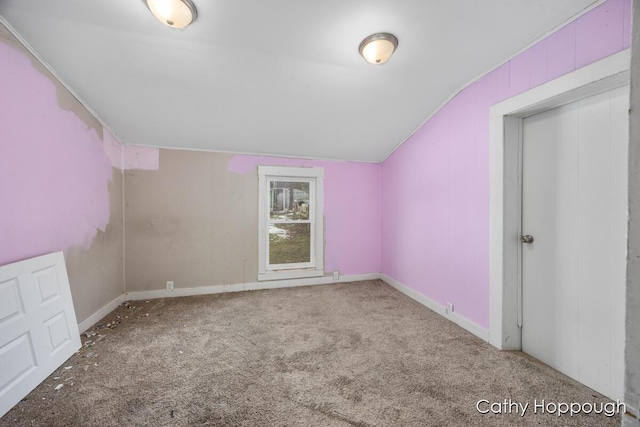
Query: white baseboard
{"x":476,"y":330}
{"x":629,"y":421}
{"x":252,"y":286}
{"x":95,"y":317}
{"x":630,"y":418}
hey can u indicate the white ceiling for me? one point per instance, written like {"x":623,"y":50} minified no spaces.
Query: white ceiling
{"x":279,"y":77}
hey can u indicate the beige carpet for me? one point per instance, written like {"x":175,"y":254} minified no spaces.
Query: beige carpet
{"x":354,"y":354}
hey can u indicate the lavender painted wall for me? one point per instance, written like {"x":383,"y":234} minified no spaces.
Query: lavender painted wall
{"x":58,"y":189}
{"x":351,"y":209}
{"x":435,"y":187}
{"x":421,"y":217}
{"x":54,"y":171}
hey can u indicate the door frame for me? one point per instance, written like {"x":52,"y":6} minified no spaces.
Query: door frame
{"x":505,"y":184}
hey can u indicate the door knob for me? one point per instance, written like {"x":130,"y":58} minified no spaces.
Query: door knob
{"x":527,"y":238}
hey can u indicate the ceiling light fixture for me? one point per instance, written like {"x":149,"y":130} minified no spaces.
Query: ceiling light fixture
{"x":174,"y":13}
{"x":378,"y":48}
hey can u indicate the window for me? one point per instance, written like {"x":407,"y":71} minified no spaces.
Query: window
{"x":290,"y":223}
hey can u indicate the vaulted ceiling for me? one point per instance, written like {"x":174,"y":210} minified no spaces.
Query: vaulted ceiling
{"x":281,"y":77}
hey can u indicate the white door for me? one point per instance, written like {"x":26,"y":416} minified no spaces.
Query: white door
{"x":38,"y":328}
{"x":574,"y":205}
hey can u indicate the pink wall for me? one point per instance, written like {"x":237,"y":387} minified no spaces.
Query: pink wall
{"x":54,"y":171}
{"x":351,"y":209}
{"x":435,"y":187}
{"x":421,"y":217}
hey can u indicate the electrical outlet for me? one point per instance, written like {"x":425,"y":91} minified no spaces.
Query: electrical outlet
{"x":449,"y":308}
{"x":336,"y":275}
{"x":170,"y":285}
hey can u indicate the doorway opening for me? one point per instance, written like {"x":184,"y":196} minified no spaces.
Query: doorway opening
{"x":506,"y":190}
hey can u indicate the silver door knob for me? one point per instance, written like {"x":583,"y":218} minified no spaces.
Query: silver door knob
{"x":527,"y":238}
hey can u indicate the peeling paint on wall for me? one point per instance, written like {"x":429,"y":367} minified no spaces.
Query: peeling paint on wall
{"x":54,"y":173}
{"x":351,"y":208}
{"x":65,"y":99}
{"x":242,"y":164}
{"x":60,"y":180}
{"x":125,"y":157}
{"x":195,"y":220}
{"x":141,"y":158}
{"x":114,"y":150}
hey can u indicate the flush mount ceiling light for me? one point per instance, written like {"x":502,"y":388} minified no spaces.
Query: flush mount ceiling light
{"x":378,"y":48}
{"x":174,"y":13}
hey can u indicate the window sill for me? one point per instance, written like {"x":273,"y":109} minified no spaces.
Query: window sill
{"x":289,"y":274}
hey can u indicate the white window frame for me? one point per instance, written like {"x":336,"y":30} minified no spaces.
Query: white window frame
{"x":315,"y":178}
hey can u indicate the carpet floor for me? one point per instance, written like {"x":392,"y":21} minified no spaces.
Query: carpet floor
{"x":353,"y":354}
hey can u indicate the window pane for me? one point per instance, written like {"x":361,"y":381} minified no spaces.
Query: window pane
{"x":289,"y":200}
{"x":289,"y":243}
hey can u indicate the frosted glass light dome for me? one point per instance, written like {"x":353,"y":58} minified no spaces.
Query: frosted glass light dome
{"x":378,"y":48}
{"x":173,"y":13}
